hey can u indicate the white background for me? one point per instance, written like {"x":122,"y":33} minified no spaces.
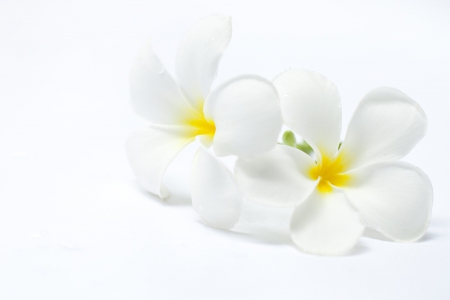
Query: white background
{"x":74,"y":224}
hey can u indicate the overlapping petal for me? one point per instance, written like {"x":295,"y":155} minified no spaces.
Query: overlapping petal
{"x":247,"y":116}
{"x":326,"y":224}
{"x":150,"y":152}
{"x":154,"y":94}
{"x":310,"y":104}
{"x":386,"y":125}
{"x":393,"y":197}
{"x":215,"y":195}
{"x":199,"y":55}
{"x":277,"y":178}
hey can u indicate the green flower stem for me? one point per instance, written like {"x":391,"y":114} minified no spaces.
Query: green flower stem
{"x":290,"y":140}
{"x":305,"y":147}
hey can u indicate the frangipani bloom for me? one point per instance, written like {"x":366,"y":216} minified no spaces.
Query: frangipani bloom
{"x":242,"y":117}
{"x":359,"y":184}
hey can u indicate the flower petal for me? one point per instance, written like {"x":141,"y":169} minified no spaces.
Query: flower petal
{"x":311,"y":106}
{"x":393,"y":197}
{"x":154,"y":94}
{"x":150,"y":152}
{"x":386,"y":125}
{"x":326,"y":224}
{"x":247,"y":116}
{"x":199,"y":55}
{"x":277,"y":178}
{"x":215,"y":195}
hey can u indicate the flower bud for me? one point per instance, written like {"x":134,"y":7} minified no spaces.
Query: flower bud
{"x":289,"y":138}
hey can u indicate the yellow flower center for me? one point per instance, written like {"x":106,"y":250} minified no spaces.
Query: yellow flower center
{"x":200,"y":124}
{"x":330,"y":173}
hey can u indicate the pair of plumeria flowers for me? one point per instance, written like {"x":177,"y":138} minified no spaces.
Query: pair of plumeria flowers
{"x":336,"y":192}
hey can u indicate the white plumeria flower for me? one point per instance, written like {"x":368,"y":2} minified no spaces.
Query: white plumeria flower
{"x":361,"y":184}
{"x":242,"y":117}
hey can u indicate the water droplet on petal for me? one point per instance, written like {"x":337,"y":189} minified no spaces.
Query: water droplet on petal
{"x":244,"y":221}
